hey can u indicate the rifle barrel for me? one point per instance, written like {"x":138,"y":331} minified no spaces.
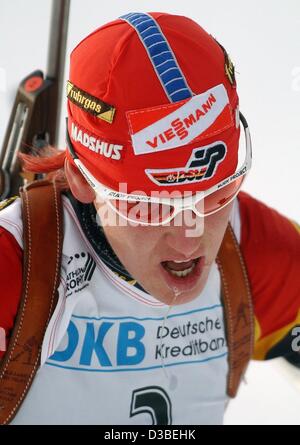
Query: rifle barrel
{"x":56,"y":54}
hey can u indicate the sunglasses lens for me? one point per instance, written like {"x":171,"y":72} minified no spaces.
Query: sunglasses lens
{"x":220,"y":198}
{"x":143,"y":212}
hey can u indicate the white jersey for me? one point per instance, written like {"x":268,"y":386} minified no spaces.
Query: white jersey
{"x":108,"y":357}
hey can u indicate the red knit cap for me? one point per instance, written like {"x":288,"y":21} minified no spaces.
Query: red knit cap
{"x":153,"y":103}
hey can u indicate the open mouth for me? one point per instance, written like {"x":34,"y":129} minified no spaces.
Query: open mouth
{"x":183,"y":275}
{"x":180,"y":268}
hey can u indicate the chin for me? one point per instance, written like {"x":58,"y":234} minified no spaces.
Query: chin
{"x":187,"y":297}
{"x":168,"y":297}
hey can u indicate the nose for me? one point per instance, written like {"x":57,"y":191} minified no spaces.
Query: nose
{"x":185,"y":233}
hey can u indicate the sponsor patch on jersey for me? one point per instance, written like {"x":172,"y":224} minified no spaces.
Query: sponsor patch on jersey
{"x":90,"y":104}
{"x":7,"y":202}
{"x":122,"y":344}
{"x":173,"y":125}
{"x":106,"y":149}
{"x":79,"y":277}
{"x":202,"y":164}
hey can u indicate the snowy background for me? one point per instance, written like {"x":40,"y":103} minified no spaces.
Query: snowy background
{"x":263,"y":40}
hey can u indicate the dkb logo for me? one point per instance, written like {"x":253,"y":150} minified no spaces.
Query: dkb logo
{"x":85,"y":345}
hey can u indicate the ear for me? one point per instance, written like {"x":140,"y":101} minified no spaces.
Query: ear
{"x":80,"y":189}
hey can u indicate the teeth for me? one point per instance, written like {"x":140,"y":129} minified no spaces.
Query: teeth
{"x":175,"y":261}
{"x":182,"y":273}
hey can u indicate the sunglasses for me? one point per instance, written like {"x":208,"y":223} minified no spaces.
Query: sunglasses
{"x":156,"y":211}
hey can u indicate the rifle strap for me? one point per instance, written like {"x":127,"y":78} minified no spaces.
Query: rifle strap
{"x":42,"y":235}
{"x":238,"y":309}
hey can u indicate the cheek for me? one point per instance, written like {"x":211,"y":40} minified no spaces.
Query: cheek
{"x":133,"y":247}
{"x":132,"y":244}
{"x":215,"y":226}
{"x":220,"y":218}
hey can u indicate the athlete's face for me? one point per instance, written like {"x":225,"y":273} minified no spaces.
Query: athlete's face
{"x":156,"y":255}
